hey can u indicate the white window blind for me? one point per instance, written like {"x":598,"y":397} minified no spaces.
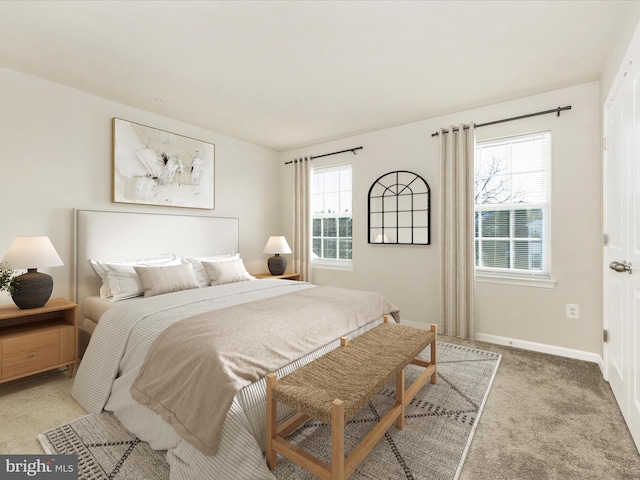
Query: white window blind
{"x":332,"y":215}
{"x":512,"y":205}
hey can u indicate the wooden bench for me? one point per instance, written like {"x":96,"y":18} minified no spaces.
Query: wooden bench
{"x":336,"y":386}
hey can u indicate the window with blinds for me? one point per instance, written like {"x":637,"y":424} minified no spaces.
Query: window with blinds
{"x":332,"y":215}
{"x":512,"y":204}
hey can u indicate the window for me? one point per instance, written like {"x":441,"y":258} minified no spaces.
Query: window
{"x":331,"y":206}
{"x":512,"y":201}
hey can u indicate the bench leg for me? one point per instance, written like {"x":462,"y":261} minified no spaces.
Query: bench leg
{"x":337,"y":440}
{"x":434,"y":376}
{"x":400,"y":399}
{"x":272,"y":422}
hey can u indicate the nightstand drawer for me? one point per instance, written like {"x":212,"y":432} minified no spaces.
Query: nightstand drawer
{"x":35,"y":340}
{"x":30,"y":352}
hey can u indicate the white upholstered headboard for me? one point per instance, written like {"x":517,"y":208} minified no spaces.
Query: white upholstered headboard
{"x":112,"y":235}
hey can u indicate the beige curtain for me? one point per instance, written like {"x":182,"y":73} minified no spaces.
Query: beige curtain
{"x":456,"y":232}
{"x":302,"y":217}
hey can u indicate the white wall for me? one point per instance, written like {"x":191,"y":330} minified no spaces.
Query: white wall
{"x":408,"y":275}
{"x":56,"y":156}
{"x":625,"y":33}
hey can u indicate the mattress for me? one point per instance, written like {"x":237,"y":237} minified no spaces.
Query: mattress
{"x":92,"y":309}
{"x":94,"y":306}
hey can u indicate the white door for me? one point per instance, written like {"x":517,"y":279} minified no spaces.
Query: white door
{"x":622,"y":251}
{"x":633,"y":259}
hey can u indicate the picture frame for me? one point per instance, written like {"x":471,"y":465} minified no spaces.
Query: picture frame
{"x":156,"y":167}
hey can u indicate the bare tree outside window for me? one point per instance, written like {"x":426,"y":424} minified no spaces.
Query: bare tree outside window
{"x":492,"y":185}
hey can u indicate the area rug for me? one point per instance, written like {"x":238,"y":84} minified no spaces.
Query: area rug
{"x":439,"y":426}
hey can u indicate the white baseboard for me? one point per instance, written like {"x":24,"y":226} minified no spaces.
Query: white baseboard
{"x":532,"y":346}
{"x":543,"y":348}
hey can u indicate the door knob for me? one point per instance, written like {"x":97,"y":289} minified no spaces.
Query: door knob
{"x":620,"y":267}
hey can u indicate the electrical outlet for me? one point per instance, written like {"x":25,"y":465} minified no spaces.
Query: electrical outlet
{"x":573,"y":310}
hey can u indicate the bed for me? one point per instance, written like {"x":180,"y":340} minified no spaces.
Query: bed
{"x":211,"y":430}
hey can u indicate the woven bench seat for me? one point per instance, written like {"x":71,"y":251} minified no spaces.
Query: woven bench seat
{"x":336,"y":386}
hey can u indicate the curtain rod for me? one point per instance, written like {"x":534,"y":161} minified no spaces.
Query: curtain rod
{"x":352,"y":150}
{"x":555,"y":110}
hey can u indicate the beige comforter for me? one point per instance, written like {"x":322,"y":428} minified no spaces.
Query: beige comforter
{"x":195,"y":367}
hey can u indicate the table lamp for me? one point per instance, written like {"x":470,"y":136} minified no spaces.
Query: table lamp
{"x":277,"y":245}
{"x":33,"y":288}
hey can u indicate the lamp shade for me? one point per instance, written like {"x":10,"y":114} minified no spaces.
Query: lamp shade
{"x":33,"y":288}
{"x":32,"y":252}
{"x":277,"y":245}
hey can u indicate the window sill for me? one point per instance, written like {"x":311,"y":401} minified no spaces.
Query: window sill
{"x":329,"y":265}
{"x":520,"y":281}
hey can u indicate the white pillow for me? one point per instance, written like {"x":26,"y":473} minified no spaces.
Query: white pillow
{"x":124,"y":281}
{"x":159,"y":280}
{"x":103,"y":268}
{"x":229,"y":271}
{"x":198,"y":269}
{"x":102,"y":272}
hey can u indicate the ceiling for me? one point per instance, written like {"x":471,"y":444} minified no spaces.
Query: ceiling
{"x":286,"y":74}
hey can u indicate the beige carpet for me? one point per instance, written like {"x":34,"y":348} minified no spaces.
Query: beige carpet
{"x":546,"y":418}
{"x":34,"y":405}
{"x":549,"y":418}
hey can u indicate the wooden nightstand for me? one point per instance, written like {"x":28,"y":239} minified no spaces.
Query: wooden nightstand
{"x":37,"y":339}
{"x":286,"y":276}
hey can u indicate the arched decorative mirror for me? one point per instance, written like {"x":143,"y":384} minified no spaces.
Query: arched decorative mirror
{"x":399,"y":209}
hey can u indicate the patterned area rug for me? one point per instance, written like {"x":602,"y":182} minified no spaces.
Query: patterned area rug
{"x":105,"y":449}
{"x":439,"y":426}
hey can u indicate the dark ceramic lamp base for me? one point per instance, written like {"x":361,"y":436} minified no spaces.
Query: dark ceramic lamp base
{"x":277,"y":265}
{"x":33,"y":289}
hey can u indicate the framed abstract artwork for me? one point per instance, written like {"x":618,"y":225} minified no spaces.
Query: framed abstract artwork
{"x":156,"y":167}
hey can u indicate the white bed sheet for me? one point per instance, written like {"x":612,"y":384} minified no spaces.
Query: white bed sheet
{"x":118,"y":348}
